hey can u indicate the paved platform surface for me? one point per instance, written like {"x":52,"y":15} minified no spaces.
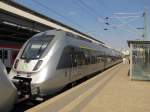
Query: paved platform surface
{"x":110,"y":91}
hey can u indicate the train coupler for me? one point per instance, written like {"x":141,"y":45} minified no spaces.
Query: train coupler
{"x":23,"y":86}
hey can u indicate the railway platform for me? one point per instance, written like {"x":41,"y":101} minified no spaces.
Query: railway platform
{"x":110,"y":91}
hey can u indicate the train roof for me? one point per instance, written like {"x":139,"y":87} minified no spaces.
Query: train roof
{"x":72,"y":35}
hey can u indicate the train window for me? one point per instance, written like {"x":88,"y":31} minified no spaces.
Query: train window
{"x":86,"y":56}
{"x":65,"y":59}
{"x":5,"y":54}
{"x":1,"y":54}
{"x":80,"y":56}
{"x":73,"y":56}
{"x":98,"y":59}
{"x":35,"y":48}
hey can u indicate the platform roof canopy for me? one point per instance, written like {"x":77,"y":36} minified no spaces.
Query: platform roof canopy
{"x":137,"y":42}
{"x":20,"y":22}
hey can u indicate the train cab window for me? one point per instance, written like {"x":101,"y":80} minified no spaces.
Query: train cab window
{"x":35,"y":48}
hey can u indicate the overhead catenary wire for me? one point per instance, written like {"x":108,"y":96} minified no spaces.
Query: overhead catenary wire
{"x":125,"y":17}
{"x":128,"y":15}
{"x":96,"y":14}
{"x":85,"y":8}
{"x":88,"y":9}
{"x":124,"y":23}
{"x":131,"y":27}
{"x":91,"y":10}
{"x":131,"y":13}
{"x":59,"y":14}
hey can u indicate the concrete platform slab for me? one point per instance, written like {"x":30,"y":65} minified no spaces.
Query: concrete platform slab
{"x":110,"y":91}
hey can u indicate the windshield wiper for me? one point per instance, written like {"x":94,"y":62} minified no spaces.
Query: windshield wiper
{"x":40,"y":49}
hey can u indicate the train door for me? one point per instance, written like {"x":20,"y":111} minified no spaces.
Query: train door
{"x":5,"y":56}
{"x":68,"y":62}
{"x":80,"y":57}
{"x":73,"y":68}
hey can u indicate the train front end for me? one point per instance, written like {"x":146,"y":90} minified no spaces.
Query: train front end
{"x":30,"y":69}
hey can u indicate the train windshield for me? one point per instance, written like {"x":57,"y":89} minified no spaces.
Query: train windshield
{"x":35,"y":48}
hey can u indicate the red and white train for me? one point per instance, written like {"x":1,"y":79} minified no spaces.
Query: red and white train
{"x":8,"y":54}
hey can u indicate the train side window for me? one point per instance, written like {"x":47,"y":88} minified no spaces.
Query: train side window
{"x":5,"y":54}
{"x":73,"y":56}
{"x":99,"y":59}
{"x":1,"y":54}
{"x":80,"y":57}
{"x":65,"y":59}
{"x":88,"y":57}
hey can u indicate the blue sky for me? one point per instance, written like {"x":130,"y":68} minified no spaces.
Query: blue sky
{"x":88,"y":17}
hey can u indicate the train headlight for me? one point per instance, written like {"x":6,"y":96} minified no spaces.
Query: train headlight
{"x":16,"y":63}
{"x":38,"y":64}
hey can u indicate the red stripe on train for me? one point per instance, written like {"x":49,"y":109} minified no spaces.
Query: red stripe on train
{"x":11,"y":46}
